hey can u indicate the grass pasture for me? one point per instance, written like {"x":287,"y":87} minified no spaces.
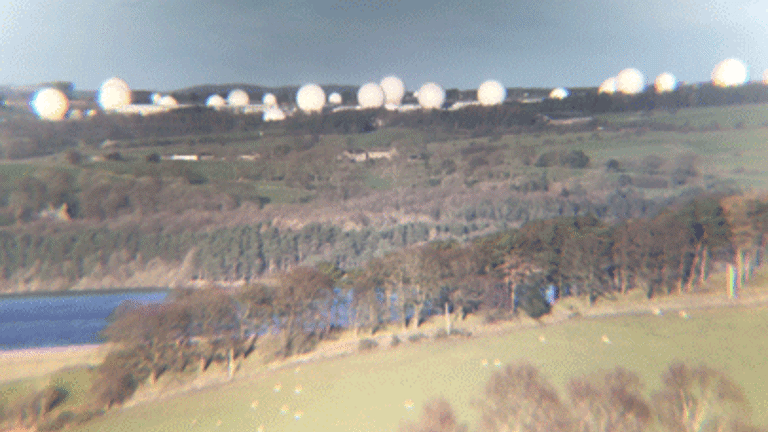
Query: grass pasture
{"x":369,"y":391}
{"x":725,"y":116}
{"x":40,"y":362}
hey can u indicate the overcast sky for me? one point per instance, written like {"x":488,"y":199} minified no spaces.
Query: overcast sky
{"x":169,"y":44}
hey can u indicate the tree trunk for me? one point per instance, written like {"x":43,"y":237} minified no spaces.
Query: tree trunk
{"x":447,"y":320}
{"x":417,"y":308}
{"x":703,"y":266}
{"x":230,"y":365}
{"x":739,"y":268}
{"x":692,"y":269}
{"x":747,"y":266}
{"x":372,"y":316}
{"x":681,"y":273}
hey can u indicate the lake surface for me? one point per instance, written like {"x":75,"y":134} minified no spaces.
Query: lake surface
{"x":62,"y":319}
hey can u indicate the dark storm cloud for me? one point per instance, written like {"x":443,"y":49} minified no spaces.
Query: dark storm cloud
{"x":168,"y":44}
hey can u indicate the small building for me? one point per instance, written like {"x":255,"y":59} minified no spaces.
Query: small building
{"x":181,"y":157}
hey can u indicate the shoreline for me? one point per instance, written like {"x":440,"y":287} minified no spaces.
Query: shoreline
{"x":23,"y":353}
{"x":105,"y":291}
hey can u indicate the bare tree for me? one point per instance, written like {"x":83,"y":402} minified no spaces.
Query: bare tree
{"x":518,"y":398}
{"x":609,"y":401}
{"x":152,"y":332}
{"x":299,"y":289}
{"x":700,"y":399}
{"x":438,"y":416}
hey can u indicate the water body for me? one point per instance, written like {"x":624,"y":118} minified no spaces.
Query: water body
{"x":32,"y":321}
{"x":45,"y":320}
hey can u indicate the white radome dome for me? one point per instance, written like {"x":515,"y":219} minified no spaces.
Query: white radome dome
{"x":238,"y":98}
{"x":491,"y":93}
{"x":215,"y":100}
{"x":168,"y":101}
{"x":394,"y":90}
{"x":729,"y":73}
{"x":50,"y":104}
{"x":115,"y":82}
{"x":630,"y":81}
{"x":155,"y":98}
{"x":608,"y":86}
{"x":334,"y":99}
{"x":665,"y":82}
{"x":273,"y":113}
{"x":559,"y":93}
{"x":114,"y":94}
{"x":370,"y":96}
{"x":310,"y":98}
{"x":269,"y":100}
{"x":431,"y":96}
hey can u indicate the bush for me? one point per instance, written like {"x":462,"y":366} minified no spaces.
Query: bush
{"x":438,"y":416}
{"x":548,"y":159}
{"x":441,"y":334}
{"x":613,"y":166}
{"x":119,"y":375}
{"x":625,"y":180}
{"x":193,"y":177}
{"x":152,"y":157}
{"x":652,"y":164}
{"x":114,"y":156}
{"x":461,"y":332}
{"x":575,"y":159}
{"x":418,"y":337}
{"x":367,"y":345}
{"x":532,"y":301}
{"x":395,"y":341}
{"x":58,"y":423}
{"x":74,"y":157}
{"x":448,"y":166}
{"x":520,"y":398}
{"x":572,"y":159}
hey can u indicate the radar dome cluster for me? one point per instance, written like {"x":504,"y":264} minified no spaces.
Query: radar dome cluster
{"x":238,"y":98}
{"x":729,"y":73}
{"x":431,"y":96}
{"x":116,"y":96}
{"x":269,"y":100}
{"x":310,"y":98}
{"x":630,"y":81}
{"x":50,"y":104}
{"x":665,"y":82}
{"x":215,"y":101}
{"x":559,"y":93}
{"x":370,"y":96}
{"x":491,"y":93}
{"x":114,"y":93}
{"x":334,"y":99}
{"x":394,"y":90}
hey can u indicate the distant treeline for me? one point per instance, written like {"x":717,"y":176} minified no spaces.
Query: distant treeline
{"x":247,"y":252}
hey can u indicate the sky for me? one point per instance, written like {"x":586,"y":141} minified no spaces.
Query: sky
{"x":170,"y":44}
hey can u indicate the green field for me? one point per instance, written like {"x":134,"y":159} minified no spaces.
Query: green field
{"x":725,"y":116}
{"x":368,"y":391}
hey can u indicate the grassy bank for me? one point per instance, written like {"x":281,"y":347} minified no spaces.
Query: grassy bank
{"x":369,"y":391}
